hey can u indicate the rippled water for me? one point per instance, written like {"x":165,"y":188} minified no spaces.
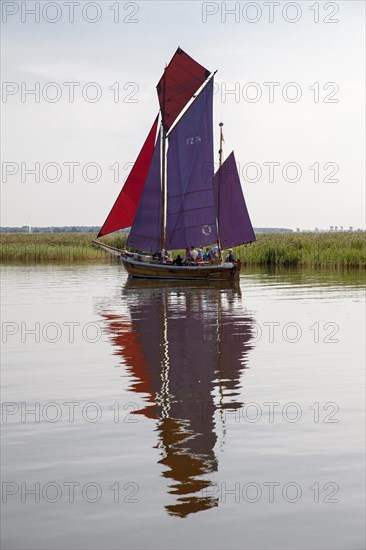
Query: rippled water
{"x":141,"y":415}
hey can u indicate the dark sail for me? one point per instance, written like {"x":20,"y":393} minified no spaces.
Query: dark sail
{"x":234,"y":223}
{"x":145,"y":232}
{"x":180,"y":81}
{"x":124,"y":209}
{"x":191,"y":213}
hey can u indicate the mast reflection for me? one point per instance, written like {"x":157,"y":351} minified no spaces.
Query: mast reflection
{"x":185,"y":348}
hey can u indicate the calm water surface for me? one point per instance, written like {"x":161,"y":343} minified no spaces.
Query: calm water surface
{"x":141,"y":415}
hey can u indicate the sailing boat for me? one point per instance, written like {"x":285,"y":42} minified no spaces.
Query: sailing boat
{"x":172,"y":199}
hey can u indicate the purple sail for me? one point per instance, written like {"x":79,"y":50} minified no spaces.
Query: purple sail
{"x":191,"y":213}
{"x":234,"y":223}
{"x":145,"y":232}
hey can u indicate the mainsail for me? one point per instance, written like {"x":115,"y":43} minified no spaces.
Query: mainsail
{"x":191,"y":214}
{"x":145,"y":232}
{"x":180,"y":81}
{"x":124,"y":209}
{"x":234,"y":223}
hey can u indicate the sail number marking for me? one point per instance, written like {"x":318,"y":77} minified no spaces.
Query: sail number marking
{"x":193,"y":140}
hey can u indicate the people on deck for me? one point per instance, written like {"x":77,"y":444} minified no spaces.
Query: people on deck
{"x":193,"y":253}
{"x":187,"y":257}
{"x":192,"y":256}
{"x":230,"y":256}
{"x":165,"y":257}
{"x":207,"y":255}
{"x":214,"y":252}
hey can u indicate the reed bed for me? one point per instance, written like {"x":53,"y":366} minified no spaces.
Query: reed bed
{"x":339,"y":249}
{"x":55,"y":248}
{"x":336,"y":250}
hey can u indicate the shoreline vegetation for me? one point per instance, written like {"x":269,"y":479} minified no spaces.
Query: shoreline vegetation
{"x":318,"y":250}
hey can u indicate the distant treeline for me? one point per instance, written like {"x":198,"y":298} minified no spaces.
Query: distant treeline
{"x":65,"y":229}
{"x":95,"y":229}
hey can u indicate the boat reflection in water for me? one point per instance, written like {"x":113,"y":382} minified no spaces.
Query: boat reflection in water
{"x":185,"y":348}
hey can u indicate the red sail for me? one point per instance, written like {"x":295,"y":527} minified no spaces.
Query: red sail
{"x":180,"y":81}
{"x":124,"y":209}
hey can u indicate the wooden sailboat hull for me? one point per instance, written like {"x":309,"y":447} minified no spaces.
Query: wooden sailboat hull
{"x":144,"y":270}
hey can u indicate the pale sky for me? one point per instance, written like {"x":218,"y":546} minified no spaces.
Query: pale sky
{"x":320,"y":63}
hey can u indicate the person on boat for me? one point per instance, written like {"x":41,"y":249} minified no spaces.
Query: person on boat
{"x":194,"y":253}
{"x":157,"y":255}
{"x":199,"y":255}
{"x":178,"y":261}
{"x":165,"y":257}
{"x":230,"y":256}
{"x":187,"y":258}
{"x":214,"y":252}
{"x":207,"y":255}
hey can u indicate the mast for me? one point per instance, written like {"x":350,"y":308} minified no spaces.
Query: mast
{"x":218,"y":206}
{"x":221,"y":141}
{"x":163,"y":172}
{"x":163,"y":190}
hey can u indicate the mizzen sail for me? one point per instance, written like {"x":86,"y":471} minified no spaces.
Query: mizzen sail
{"x":124,"y":209}
{"x":145,"y":232}
{"x":234,"y":222}
{"x":180,"y":81}
{"x":191,"y":213}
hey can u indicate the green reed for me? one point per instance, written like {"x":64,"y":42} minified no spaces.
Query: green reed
{"x":55,"y":247}
{"x":341,"y":249}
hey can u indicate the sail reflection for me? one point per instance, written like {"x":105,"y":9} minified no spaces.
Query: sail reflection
{"x":185,"y":350}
